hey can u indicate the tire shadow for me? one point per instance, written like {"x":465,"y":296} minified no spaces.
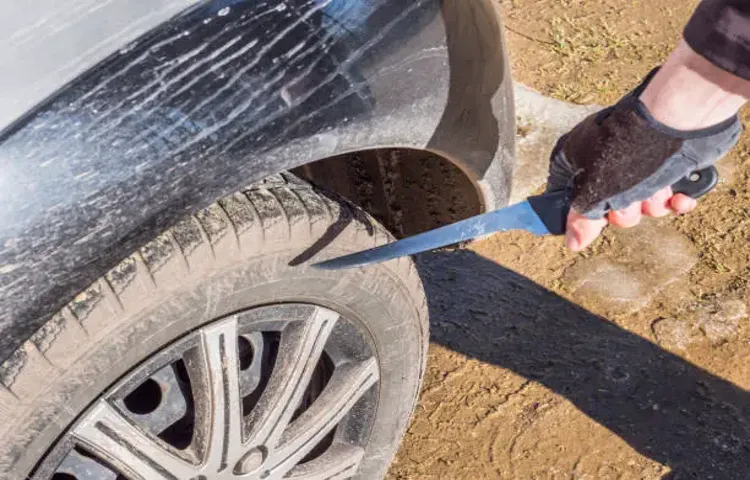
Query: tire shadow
{"x":346,"y":216}
{"x":663,"y":406}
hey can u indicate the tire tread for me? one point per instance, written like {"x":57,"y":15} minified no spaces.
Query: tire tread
{"x":189,"y":248}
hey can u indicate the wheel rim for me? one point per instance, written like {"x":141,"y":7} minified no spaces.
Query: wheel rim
{"x":277,"y":392}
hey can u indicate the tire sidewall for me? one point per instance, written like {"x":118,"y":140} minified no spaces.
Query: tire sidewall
{"x":376,"y":300}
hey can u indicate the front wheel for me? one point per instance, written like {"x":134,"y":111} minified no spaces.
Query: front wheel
{"x":205,"y":355}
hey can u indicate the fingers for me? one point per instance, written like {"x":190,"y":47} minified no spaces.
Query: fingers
{"x":664,"y":203}
{"x":581,"y":231}
{"x":682,"y":204}
{"x":658,"y":205}
{"x":628,"y":217}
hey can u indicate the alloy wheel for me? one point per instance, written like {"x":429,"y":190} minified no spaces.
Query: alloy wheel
{"x":285,"y":391}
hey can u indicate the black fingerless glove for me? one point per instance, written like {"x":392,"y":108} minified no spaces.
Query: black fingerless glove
{"x":622,"y":155}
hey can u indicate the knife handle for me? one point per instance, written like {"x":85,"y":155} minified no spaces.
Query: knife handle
{"x":698,"y":183}
{"x":552,"y":208}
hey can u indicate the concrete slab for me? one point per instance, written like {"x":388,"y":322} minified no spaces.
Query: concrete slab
{"x":540,"y":122}
{"x":640,"y":263}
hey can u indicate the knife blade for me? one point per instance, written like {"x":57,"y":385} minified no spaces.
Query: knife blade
{"x":541,"y":215}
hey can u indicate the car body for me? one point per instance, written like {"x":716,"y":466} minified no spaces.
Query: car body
{"x":119,"y":118}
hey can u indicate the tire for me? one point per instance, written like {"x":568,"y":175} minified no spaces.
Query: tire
{"x":230,"y":257}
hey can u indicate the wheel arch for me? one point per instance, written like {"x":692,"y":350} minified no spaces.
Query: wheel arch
{"x":408,"y":190}
{"x":109,"y":161}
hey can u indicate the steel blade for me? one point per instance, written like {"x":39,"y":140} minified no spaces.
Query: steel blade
{"x":520,"y":216}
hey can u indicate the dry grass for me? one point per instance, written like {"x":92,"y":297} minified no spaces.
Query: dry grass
{"x":585,"y":51}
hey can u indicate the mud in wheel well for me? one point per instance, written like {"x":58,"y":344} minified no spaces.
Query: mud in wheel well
{"x":408,"y":191}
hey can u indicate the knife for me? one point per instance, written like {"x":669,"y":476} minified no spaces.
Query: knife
{"x":541,"y":215}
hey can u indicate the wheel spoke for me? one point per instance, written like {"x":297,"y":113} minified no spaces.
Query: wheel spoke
{"x":346,"y":387}
{"x":214,"y":372}
{"x":108,"y":433}
{"x":299,"y":351}
{"x":339,"y":462}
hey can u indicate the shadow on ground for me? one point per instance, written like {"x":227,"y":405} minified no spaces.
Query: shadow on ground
{"x":663,"y":406}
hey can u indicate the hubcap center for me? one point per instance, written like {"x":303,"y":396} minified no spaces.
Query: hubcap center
{"x":252,"y":460}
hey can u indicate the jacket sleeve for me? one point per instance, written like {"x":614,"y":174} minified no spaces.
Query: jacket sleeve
{"x":720,"y":31}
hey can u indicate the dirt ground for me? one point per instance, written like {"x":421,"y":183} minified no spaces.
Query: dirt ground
{"x":627,"y":361}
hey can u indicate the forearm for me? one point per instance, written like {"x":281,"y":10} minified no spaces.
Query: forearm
{"x":689,"y":92}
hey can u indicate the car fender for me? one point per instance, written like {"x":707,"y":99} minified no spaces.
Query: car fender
{"x":220,"y":95}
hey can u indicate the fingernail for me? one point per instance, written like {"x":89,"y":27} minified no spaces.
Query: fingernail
{"x":572,"y":241}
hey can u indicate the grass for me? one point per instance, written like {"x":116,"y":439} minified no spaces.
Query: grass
{"x":583,"y":51}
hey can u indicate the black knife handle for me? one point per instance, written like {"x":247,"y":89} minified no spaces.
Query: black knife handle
{"x":697,"y":183}
{"x":552,"y":208}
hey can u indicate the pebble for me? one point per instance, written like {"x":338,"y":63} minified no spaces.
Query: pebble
{"x":721,"y":322}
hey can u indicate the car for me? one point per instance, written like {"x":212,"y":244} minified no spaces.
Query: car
{"x":169,"y":171}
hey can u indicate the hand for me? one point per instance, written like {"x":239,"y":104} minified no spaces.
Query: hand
{"x":618,"y":163}
{"x":683,"y":117}
{"x":582,"y":231}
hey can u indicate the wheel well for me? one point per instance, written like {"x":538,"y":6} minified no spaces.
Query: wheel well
{"x":409,"y":191}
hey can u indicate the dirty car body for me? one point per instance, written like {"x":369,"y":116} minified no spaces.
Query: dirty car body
{"x":119,"y":118}
{"x":169,"y":169}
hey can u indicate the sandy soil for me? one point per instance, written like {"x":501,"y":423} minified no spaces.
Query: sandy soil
{"x":628,"y":361}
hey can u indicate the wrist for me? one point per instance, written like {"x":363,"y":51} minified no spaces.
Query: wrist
{"x":690,"y":93}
